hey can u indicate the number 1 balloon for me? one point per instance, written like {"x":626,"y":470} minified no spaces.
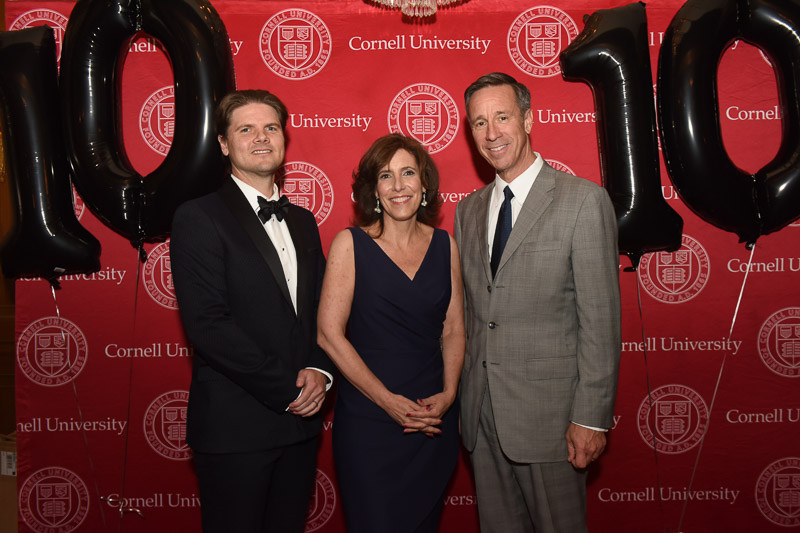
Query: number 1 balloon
{"x":46,"y":239}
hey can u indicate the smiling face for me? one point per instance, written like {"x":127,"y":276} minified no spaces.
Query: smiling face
{"x":399,"y":186}
{"x":501,"y":130}
{"x":254,"y":142}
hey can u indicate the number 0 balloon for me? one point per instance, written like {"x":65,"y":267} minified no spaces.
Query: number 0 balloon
{"x":97,"y":37}
{"x":703,"y":174}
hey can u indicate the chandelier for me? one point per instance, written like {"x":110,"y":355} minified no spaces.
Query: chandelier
{"x":416,"y":8}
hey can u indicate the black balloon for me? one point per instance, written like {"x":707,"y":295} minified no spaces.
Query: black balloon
{"x":611,"y":55}
{"x":707,"y":180}
{"x":97,"y":38}
{"x":775,"y":27}
{"x":46,"y":239}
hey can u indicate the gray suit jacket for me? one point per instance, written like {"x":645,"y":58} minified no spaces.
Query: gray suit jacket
{"x":545,"y":333}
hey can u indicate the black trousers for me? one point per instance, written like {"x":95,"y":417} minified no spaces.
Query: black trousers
{"x":261,"y":492}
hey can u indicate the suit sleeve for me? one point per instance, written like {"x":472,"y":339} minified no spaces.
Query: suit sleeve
{"x":319,"y":359}
{"x":198,"y":268}
{"x":595,"y":266}
{"x":457,"y":225}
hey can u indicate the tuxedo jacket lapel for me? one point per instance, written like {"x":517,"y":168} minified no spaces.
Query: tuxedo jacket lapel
{"x":243,"y":212}
{"x":301,"y":248}
{"x":539,"y":197}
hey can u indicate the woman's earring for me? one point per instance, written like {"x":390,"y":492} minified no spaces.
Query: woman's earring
{"x":377,"y":205}
{"x":424,"y":201}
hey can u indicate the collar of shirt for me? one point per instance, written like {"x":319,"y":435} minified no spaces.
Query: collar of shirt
{"x":520,"y":186}
{"x":252,"y":194}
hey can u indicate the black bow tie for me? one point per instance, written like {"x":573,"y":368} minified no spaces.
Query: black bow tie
{"x":267,"y":208}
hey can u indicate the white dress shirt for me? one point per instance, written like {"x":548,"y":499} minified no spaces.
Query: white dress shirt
{"x":520,"y":186}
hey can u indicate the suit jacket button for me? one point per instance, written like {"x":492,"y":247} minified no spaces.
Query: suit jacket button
{"x":484,"y":364}
{"x":492,"y":325}
{"x":489,"y":288}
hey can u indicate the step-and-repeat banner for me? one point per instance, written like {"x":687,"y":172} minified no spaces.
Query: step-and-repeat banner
{"x":707,"y":419}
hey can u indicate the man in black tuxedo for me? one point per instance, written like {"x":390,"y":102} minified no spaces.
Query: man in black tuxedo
{"x":248,"y":268}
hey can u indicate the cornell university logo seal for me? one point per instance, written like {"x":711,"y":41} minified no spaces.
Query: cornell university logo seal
{"x":53,"y":499}
{"x":157,"y":119}
{"x":43,"y":17}
{"x":157,"y":277}
{"x":427,"y":113}
{"x":51,"y":351}
{"x":165,"y":425}
{"x":307,"y":186}
{"x":676,"y":420}
{"x":778,"y":492}
{"x":536,"y":39}
{"x":676,"y":277}
{"x":779,"y":342}
{"x":295,"y":44}
{"x":323,"y":502}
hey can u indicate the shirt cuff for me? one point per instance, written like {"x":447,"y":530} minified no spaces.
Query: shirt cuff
{"x":604,"y":430}
{"x":328,"y":385}
{"x":328,"y":375}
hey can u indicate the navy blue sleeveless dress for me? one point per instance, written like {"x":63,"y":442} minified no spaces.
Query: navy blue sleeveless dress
{"x":393,"y":482}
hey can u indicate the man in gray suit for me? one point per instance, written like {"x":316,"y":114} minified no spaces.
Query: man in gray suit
{"x":541,"y":275}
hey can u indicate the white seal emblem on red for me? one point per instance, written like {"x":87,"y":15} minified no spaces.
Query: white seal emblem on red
{"x":779,"y":342}
{"x":426,"y":113}
{"x":673,"y":419}
{"x":53,"y":499}
{"x":536,"y":39}
{"x":676,"y":277}
{"x":322,"y":504}
{"x":157,"y":277}
{"x":558,"y":165}
{"x":307,"y":186}
{"x":778,"y":492}
{"x":157,"y":119}
{"x":295,"y":44}
{"x":43,"y":17}
{"x":51,"y":351}
{"x":165,"y":425}
{"x":77,"y":204}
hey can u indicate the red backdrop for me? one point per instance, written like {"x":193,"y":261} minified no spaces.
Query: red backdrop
{"x":718,"y":450}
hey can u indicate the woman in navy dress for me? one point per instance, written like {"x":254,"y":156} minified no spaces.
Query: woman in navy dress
{"x":394,"y":282}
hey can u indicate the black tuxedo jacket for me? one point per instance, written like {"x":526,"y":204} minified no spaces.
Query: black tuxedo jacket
{"x":249,"y":344}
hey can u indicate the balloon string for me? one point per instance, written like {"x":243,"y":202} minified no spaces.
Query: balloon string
{"x":120,"y":503}
{"x":53,"y":287}
{"x":716,"y":388}
{"x":741,"y":291}
{"x":122,"y":510}
{"x":650,"y":400}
